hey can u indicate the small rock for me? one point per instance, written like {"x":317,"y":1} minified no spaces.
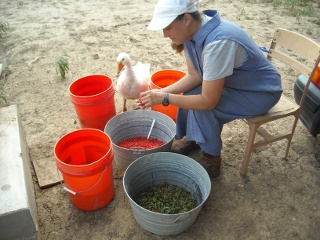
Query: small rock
{"x":30,"y":62}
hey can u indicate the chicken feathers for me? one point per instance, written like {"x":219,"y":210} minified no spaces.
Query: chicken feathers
{"x":132,"y":80}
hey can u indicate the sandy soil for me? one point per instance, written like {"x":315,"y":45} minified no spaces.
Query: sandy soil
{"x":279,"y":199}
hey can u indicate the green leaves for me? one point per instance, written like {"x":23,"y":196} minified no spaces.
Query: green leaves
{"x":62,"y":66}
{"x":4,"y":26}
{"x":167,"y":199}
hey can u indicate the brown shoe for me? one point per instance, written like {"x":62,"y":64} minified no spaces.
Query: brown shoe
{"x":184,"y":147}
{"x":211,"y":164}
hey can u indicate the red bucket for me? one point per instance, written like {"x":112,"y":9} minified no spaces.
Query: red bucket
{"x":84,"y":158}
{"x":93,"y":99}
{"x":163,"y":79}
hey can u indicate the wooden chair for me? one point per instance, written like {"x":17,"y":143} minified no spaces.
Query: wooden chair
{"x":298,"y":46}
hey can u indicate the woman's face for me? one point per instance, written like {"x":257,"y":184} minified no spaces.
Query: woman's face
{"x":178,"y":30}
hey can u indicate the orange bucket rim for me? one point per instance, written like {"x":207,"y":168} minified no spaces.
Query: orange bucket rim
{"x":109,"y":89}
{"x":90,"y":165}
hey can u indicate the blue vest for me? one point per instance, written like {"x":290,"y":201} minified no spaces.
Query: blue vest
{"x":256,"y":74}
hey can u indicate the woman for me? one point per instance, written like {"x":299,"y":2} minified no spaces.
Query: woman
{"x":228,"y":77}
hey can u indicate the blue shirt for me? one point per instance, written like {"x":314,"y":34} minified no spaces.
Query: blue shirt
{"x":254,"y":73}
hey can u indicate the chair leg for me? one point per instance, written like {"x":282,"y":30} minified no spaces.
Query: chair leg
{"x":291,"y":136}
{"x":245,"y":163}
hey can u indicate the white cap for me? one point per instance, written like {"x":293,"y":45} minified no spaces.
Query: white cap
{"x":167,"y":10}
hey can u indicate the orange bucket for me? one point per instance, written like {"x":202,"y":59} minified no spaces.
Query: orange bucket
{"x":84,"y":158}
{"x":163,"y":79}
{"x":93,"y":99}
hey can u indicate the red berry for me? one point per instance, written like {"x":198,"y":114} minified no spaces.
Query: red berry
{"x":140,"y":143}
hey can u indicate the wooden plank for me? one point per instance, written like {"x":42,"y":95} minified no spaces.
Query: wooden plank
{"x":305,"y":70}
{"x":298,"y":43}
{"x":47,"y":172}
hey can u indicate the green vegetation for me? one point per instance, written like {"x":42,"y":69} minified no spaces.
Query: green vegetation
{"x":166,"y":198}
{"x":62,"y":66}
{"x":4,"y":26}
{"x":296,"y":8}
{"x":3,"y":98}
{"x":19,"y":3}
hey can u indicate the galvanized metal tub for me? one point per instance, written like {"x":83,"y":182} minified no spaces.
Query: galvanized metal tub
{"x":137,"y":123}
{"x":175,"y":169}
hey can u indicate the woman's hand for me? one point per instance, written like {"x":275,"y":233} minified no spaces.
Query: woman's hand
{"x":149,"y":98}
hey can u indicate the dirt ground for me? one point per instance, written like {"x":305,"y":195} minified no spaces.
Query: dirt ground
{"x":279,"y":199}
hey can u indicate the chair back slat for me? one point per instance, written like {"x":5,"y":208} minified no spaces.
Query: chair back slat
{"x":298,"y":43}
{"x":305,"y":70}
{"x":301,"y":47}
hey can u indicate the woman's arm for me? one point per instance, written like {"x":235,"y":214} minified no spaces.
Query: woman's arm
{"x":191,"y":80}
{"x":211,"y":92}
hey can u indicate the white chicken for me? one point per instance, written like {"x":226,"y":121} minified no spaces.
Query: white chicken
{"x":132,"y":79}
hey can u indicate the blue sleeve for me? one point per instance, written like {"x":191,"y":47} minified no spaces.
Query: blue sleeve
{"x":221,"y":57}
